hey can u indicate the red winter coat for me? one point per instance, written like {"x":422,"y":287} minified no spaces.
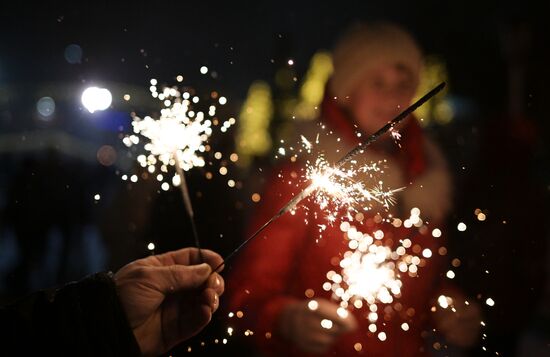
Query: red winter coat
{"x":285,"y":260}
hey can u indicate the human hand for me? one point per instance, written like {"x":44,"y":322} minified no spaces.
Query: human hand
{"x":300,"y":323}
{"x":460,"y":327}
{"x":169,"y":298}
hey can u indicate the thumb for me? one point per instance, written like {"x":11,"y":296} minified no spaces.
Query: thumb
{"x":183,"y":277}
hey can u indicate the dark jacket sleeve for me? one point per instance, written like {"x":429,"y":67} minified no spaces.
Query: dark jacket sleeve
{"x":83,"y":318}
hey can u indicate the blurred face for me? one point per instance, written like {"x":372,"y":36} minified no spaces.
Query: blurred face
{"x":382,"y":94}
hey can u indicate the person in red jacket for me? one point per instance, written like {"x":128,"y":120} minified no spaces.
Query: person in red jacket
{"x":376,"y":74}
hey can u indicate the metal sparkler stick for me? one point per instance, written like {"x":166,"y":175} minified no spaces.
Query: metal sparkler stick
{"x":359,"y":149}
{"x":188,"y":206}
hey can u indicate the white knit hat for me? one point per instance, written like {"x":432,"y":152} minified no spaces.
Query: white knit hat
{"x":366,"y":46}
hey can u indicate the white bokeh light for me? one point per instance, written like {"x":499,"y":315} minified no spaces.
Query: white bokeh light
{"x":94,"y":99}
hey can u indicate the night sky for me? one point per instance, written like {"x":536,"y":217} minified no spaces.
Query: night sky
{"x":239,"y":40}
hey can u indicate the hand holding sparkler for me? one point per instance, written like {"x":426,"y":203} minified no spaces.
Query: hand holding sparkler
{"x":169,"y":297}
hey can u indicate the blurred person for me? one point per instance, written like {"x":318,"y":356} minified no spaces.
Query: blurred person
{"x":29,"y":198}
{"x":376,"y":74}
{"x":39,"y":207}
{"x":146,"y":308}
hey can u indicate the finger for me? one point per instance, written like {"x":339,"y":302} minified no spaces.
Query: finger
{"x":210,"y":298}
{"x":320,"y":325}
{"x":327,"y":310}
{"x":317,"y":343}
{"x":190,"y":256}
{"x":315,"y":327}
{"x":313,"y":348}
{"x":216,"y":282}
{"x":196,"y":322}
{"x":207,"y":256}
{"x":348,"y":323}
{"x":341,"y":323}
{"x":323,"y":340}
{"x":174,"y":278}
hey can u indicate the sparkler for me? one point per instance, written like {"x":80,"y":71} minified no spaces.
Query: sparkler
{"x":188,"y":206}
{"x":371,"y":272}
{"x":319,"y":180}
{"x":340,"y":188}
{"x":177,"y":138}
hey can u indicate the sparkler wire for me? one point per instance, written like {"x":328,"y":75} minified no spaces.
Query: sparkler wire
{"x":404,"y":114}
{"x":188,"y":206}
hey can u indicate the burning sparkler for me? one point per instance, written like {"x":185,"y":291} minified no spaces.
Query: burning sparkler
{"x":177,"y":138}
{"x":347,"y":188}
{"x":371,"y":272}
{"x":324,"y":179}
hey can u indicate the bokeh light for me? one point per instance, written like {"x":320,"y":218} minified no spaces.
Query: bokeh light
{"x":73,"y":54}
{"x":94,"y":99}
{"x":45,"y":107}
{"x":106,"y":155}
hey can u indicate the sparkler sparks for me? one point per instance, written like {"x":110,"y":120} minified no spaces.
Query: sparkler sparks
{"x":345,"y":159}
{"x":348,"y":189}
{"x":396,"y":135}
{"x":177,"y":138}
{"x":336,"y":190}
{"x":371,"y":272}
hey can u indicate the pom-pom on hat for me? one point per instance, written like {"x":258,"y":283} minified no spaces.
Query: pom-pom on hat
{"x":367,"y":45}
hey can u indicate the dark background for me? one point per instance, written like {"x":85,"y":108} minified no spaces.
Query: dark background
{"x":52,"y":230}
